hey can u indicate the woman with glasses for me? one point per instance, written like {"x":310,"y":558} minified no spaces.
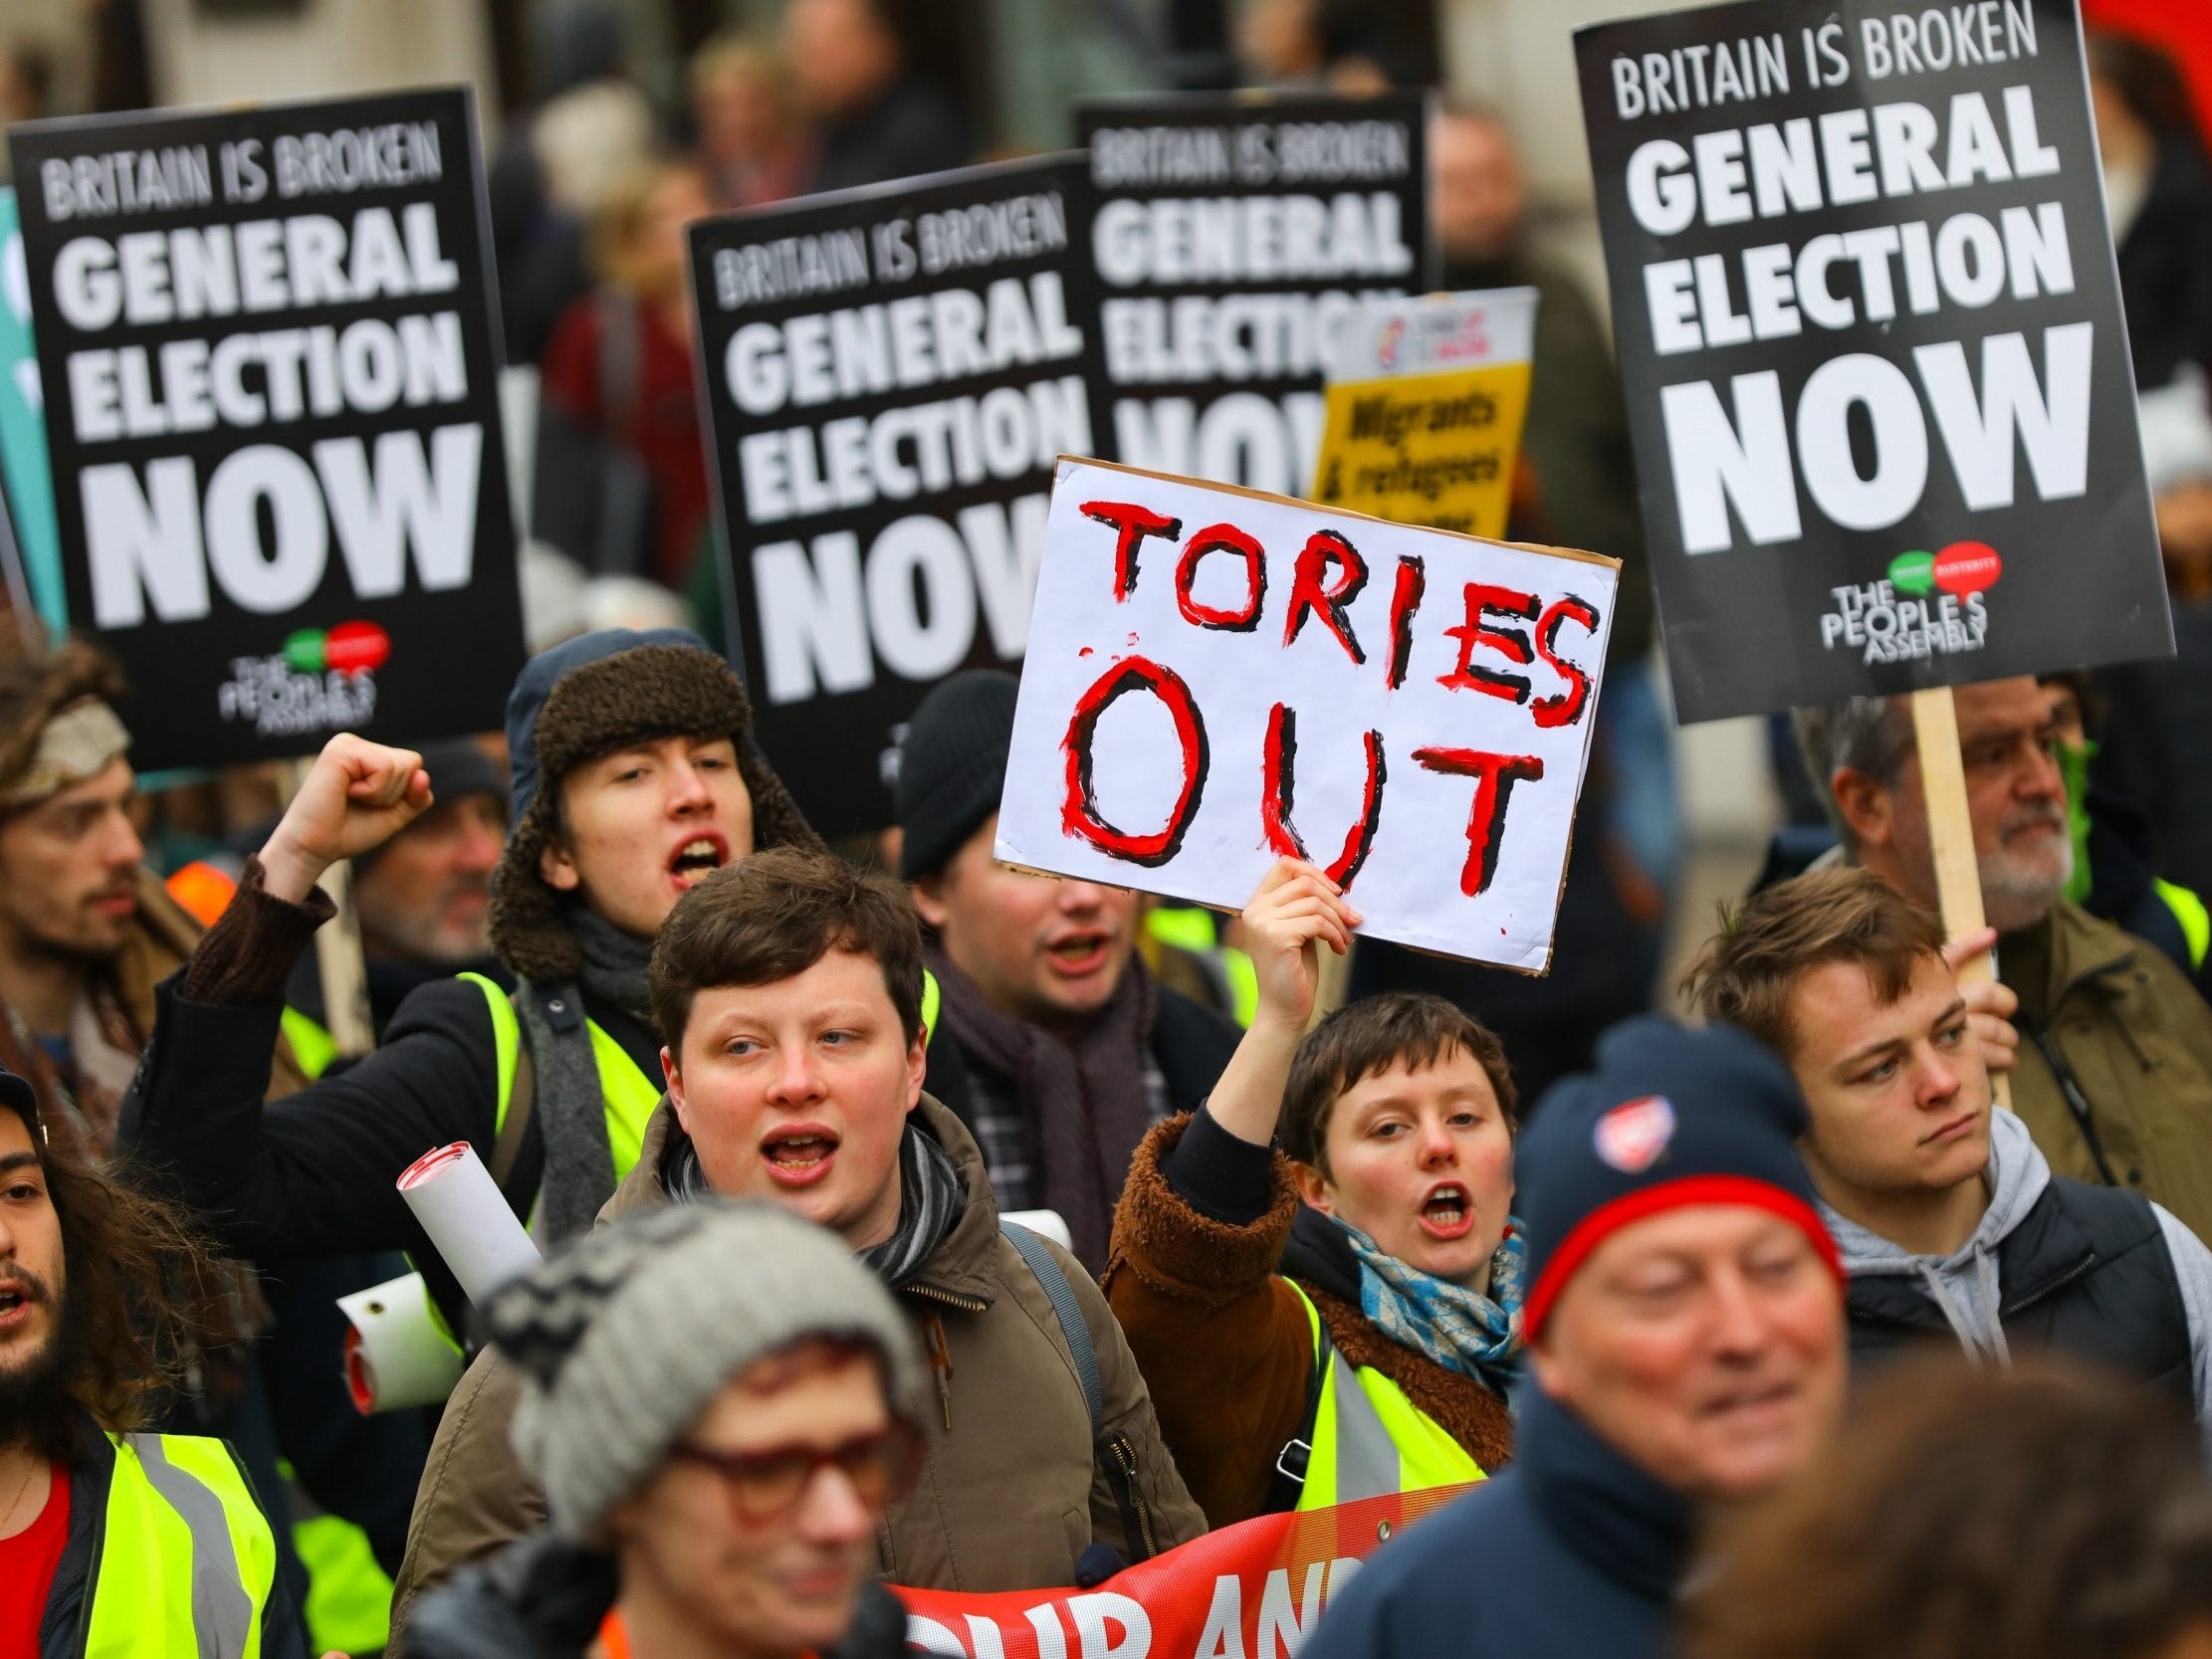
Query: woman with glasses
{"x":720,"y":1401}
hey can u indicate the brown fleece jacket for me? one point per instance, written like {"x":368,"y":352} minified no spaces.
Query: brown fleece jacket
{"x":1228,"y":1350}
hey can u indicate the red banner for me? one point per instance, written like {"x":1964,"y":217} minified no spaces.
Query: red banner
{"x":1249,"y":1591}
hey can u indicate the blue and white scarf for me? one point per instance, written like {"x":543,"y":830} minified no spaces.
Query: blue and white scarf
{"x":1464,"y":1330}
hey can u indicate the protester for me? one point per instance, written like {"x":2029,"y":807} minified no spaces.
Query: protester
{"x":85,"y":932}
{"x":592,"y":123}
{"x":2039,"y":1516}
{"x":789,"y":991}
{"x":1070,"y":1049}
{"x":768,"y":1419}
{"x":2158,"y":191}
{"x":619,"y":365}
{"x":1950,"y":1223}
{"x":634,"y":775}
{"x":1686,"y":1332}
{"x":1333,"y":1319}
{"x":751,"y":148}
{"x":113,"y":1540}
{"x":874,"y":120}
{"x":2115,"y":1076}
{"x":2116,"y":846}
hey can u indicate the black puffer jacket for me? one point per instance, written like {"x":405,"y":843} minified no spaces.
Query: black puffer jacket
{"x":545,"y":1598}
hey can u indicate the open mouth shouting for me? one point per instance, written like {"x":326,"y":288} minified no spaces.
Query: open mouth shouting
{"x":17,"y":1298}
{"x":697,"y":857}
{"x":1448,"y":1213}
{"x":1080,"y":952}
{"x":799,"y":1155}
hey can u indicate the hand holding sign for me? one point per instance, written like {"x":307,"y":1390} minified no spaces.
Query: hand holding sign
{"x":1296,"y":907}
{"x":356,"y":797}
{"x":1990,"y":1005}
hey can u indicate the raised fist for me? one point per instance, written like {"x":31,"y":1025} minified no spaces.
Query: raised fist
{"x":356,"y":797}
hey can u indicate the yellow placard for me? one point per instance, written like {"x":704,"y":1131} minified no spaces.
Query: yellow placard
{"x":1426,"y":449}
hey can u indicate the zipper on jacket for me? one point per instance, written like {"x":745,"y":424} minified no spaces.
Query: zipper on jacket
{"x":2078,"y":1270}
{"x":951,"y":1299}
{"x":1134,"y":1508}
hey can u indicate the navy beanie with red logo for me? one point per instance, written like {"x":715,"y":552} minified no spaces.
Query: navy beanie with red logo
{"x":1673,"y":1116}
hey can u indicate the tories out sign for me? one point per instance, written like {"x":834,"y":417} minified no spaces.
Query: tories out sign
{"x":1217,"y":677}
{"x":890,"y":374}
{"x":1869,"y":327}
{"x":266,"y":339}
{"x":1232,"y":236}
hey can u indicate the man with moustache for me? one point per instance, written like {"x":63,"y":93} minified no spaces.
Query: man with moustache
{"x":1057,"y":1048}
{"x":85,"y":932}
{"x":2115,"y":1071}
{"x":112,"y":1540}
{"x":1950,"y":1223}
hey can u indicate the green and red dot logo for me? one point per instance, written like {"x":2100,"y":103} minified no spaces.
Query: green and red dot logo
{"x":349,"y":647}
{"x":1961,"y":568}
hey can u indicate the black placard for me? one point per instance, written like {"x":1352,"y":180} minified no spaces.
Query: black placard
{"x":1232,"y":231}
{"x":1870,"y":328}
{"x":269,"y":346}
{"x":889,"y":375}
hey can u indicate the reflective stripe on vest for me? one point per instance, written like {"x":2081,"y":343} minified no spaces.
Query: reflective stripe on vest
{"x":2190,"y":910}
{"x":185,"y":1559}
{"x":629,"y":1095}
{"x":1369,"y":1439}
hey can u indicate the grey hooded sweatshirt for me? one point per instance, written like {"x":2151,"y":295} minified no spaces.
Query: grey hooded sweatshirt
{"x":1964,"y":1284}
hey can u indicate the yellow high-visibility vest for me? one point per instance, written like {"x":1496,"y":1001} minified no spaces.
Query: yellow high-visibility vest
{"x":1368,"y":1438}
{"x":185,"y":1560}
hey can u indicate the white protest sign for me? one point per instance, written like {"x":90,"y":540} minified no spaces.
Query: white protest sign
{"x":1216,"y":677}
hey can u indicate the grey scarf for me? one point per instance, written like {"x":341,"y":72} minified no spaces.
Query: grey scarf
{"x":931,"y":1200}
{"x":569,"y":1104}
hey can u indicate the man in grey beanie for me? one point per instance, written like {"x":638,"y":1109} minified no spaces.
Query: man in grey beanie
{"x":725,"y":1441}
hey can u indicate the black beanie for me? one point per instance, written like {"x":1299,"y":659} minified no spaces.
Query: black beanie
{"x":953,"y":765}
{"x":1671,"y":1117}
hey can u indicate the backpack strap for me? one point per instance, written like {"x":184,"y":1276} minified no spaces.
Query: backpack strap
{"x":1074,"y":1328}
{"x":1110,"y":1448}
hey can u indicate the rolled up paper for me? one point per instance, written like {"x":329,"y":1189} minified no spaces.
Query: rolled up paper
{"x":396,"y":1353}
{"x":1045,"y":1223}
{"x":459,"y":1206}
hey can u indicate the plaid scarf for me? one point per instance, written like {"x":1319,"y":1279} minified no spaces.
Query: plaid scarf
{"x":1464,"y":1330}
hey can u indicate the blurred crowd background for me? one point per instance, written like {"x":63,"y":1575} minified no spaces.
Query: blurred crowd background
{"x":609,"y":127}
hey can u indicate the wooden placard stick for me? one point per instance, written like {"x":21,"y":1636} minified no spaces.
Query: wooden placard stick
{"x":1333,"y":981}
{"x":1958,"y":882}
{"x":337,"y":948}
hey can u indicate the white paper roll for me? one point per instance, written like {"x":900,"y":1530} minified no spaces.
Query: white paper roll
{"x":395,"y":1353}
{"x":459,"y":1206}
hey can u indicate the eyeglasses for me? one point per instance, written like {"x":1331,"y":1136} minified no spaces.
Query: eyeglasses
{"x":766,"y":1485}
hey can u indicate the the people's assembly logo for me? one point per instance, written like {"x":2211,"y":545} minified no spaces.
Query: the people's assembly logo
{"x":322,"y":680}
{"x":1928,"y":605}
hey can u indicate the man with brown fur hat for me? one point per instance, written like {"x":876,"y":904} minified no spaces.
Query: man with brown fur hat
{"x":634,"y":775}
